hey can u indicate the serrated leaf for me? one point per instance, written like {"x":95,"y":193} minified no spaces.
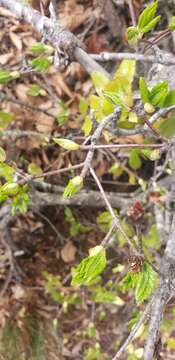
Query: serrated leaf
{"x":41,"y":63}
{"x":90,"y":267}
{"x":144,"y":91}
{"x":145,"y":283}
{"x":100,"y":81}
{"x":171,"y":25}
{"x":147,"y":16}
{"x":159,"y":93}
{"x":66,"y":144}
{"x":87,"y":126}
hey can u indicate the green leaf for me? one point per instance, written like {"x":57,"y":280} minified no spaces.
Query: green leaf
{"x":119,"y":90}
{"x":41,"y":63}
{"x":143,"y":282}
{"x":104,"y":220}
{"x":100,"y":81}
{"x":143,"y":184}
{"x":171,"y":25}
{"x":83,"y":106}
{"x":21,"y":201}
{"x":6,"y":172}
{"x":69,"y":215}
{"x":5,"y":118}
{"x":90,"y":267}
{"x":152,"y":238}
{"x":36,"y":90}
{"x":133,"y":35}
{"x":9,"y":189}
{"x":146,"y":282}
{"x":66,"y":144}
{"x":114,"y":98}
{"x":101,"y":295}
{"x":134,"y":159}
{"x":34,"y":169}
{"x":151,"y":24}
{"x":5,"y":76}
{"x":159,"y":93}
{"x":74,"y":185}
{"x":40,"y":48}
{"x":116,"y":170}
{"x":87,"y":126}
{"x":166,"y":126}
{"x":126,"y":69}
{"x":144,"y":92}
{"x":132,"y":117}
{"x":170,"y":99}
{"x":146,"y":17}
{"x":2,"y":154}
{"x":151,"y":154}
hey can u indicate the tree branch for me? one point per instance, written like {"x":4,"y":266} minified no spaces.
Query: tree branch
{"x":44,"y":194}
{"x":165,"y":59}
{"x":62,"y":40}
{"x":162,"y":294}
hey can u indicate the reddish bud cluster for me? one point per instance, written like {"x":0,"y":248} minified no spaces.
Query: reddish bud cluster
{"x":136,"y":211}
{"x":135,"y":263}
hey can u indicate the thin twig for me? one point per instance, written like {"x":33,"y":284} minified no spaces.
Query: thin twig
{"x":113,"y":215}
{"x":123,"y":146}
{"x":58,"y":171}
{"x":166,"y":59}
{"x":134,"y":330}
{"x":132,"y":12}
{"x":95,"y":137}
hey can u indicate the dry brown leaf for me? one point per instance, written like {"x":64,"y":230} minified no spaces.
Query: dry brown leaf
{"x":21,"y":92}
{"x":68,"y":252}
{"x":58,"y":82}
{"x":44,"y":123}
{"x":72,"y":14}
{"x":5,"y":58}
{"x":16,"y":40}
{"x":6,"y":13}
{"x":18,"y":292}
